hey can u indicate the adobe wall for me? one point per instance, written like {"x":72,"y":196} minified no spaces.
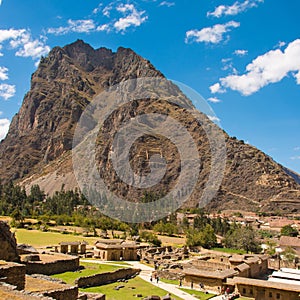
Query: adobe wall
{"x":53,"y":267}
{"x":14,"y":274}
{"x":105,"y":278}
{"x":8,"y":249}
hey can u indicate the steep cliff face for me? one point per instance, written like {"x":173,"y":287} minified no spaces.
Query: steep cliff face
{"x":64,"y":83}
{"x":37,"y":147}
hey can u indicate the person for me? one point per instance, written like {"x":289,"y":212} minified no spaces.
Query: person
{"x":151,"y":278}
{"x":180,"y":282}
{"x":157,"y":279}
{"x":192,"y":285}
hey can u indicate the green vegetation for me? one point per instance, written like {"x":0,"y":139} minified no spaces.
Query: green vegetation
{"x":288,"y":230}
{"x":150,"y":237}
{"x":166,"y":228}
{"x":89,"y":269}
{"x":131,"y":288}
{"x":205,"y":237}
{"x":239,"y":237}
{"x":200,"y":295}
{"x":229,"y":250}
{"x":38,"y":238}
{"x":170,"y":281}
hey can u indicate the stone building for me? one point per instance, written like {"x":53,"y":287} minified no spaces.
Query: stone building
{"x":115,"y":250}
{"x":264,"y":290}
{"x":73,"y":247}
{"x":210,"y":280}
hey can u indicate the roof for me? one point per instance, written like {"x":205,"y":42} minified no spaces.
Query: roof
{"x":213,"y":274}
{"x":289,"y":241}
{"x":123,"y":245}
{"x":285,"y":275}
{"x":237,"y":258}
{"x":109,"y":241}
{"x":290,"y":270}
{"x":242,"y":267}
{"x":69,"y":243}
{"x":264,"y":284}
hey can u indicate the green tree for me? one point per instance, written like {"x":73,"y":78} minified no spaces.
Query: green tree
{"x":205,"y":238}
{"x":242,"y":238}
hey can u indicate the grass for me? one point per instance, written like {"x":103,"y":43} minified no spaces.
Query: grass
{"x":170,"y":281}
{"x":131,"y":288}
{"x":200,"y":295}
{"x":89,"y":269}
{"x":38,"y":238}
{"x":229,"y":250}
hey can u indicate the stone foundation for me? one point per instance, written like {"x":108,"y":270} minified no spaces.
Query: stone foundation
{"x":13,"y":273}
{"x":52,"y":264}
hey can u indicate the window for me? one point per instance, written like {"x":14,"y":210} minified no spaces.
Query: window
{"x":244,"y":291}
{"x":270,"y":295}
{"x":251,"y":292}
{"x":277,"y":296}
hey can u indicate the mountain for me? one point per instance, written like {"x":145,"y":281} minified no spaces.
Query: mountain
{"x":37,"y":148}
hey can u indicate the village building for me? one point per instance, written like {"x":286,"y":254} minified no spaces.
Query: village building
{"x":116,"y":250}
{"x":73,"y":247}
{"x":263,"y":289}
{"x":288,"y":241}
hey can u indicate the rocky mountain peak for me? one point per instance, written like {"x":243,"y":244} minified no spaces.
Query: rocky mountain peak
{"x":37,"y":147}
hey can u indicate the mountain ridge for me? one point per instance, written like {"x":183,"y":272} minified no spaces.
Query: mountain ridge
{"x":37,"y":148}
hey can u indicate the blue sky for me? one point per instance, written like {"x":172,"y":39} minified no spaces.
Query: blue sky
{"x":242,"y":56}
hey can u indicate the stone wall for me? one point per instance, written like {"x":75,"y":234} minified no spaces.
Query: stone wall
{"x":171,"y":274}
{"x":105,"y":278}
{"x":67,"y":293}
{"x":210,"y":265}
{"x":213,"y":284}
{"x":8,"y":249}
{"x":9,"y":292}
{"x":14,"y":274}
{"x":53,"y":267}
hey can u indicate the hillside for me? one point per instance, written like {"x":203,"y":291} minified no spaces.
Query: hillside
{"x":38,"y":146}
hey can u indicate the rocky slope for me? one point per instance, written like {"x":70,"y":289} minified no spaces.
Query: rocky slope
{"x":37,"y":148}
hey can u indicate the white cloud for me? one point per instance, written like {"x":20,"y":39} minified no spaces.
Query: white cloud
{"x":281,"y":44}
{"x":216,"y":88}
{"x":107,"y":9}
{"x":103,"y":27}
{"x":7,"y":91}
{"x":132,"y":17}
{"x":214,"y":100}
{"x":213,"y":118}
{"x":214,"y":34}
{"x":79,"y":26}
{"x":234,"y":9}
{"x":22,"y":40}
{"x":295,"y":157}
{"x":3,"y":73}
{"x":0,"y":2}
{"x":268,"y":68}
{"x":241,"y":52}
{"x":11,"y":34}
{"x":34,"y":49}
{"x":4,"y":126}
{"x":166,"y":3}
{"x":297,"y":148}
